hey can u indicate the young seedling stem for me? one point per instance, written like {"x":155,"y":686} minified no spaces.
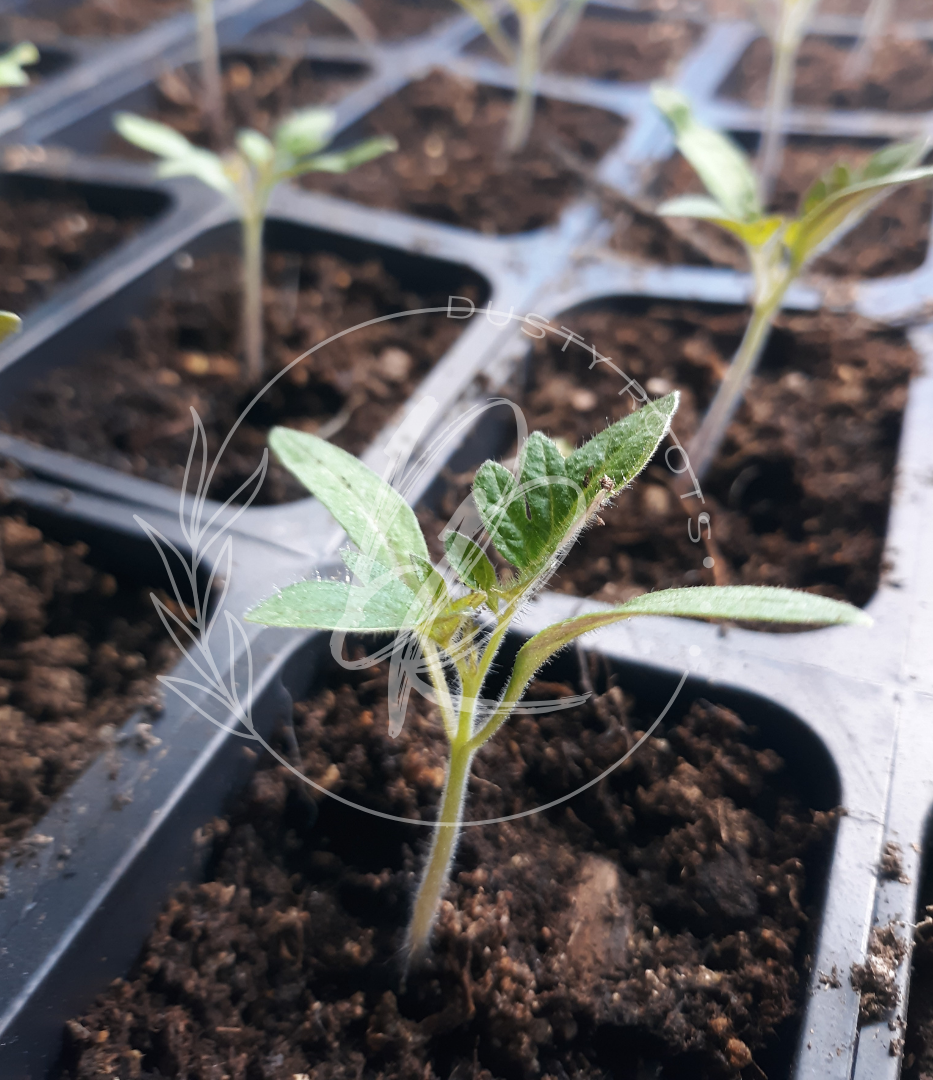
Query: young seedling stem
{"x":785,"y":23}
{"x":460,"y":611}
{"x":543,"y":27}
{"x":211,"y":79}
{"x":874,"y":24}
{"x":778,"y":247}
{"x":247,"y":176}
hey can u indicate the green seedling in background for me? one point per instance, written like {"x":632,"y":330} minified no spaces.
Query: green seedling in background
{"x":785,"y":23}
{"x":10,"y":324}
{"x":874,"y":25}
{"x":460,"y":611}
{"x":212,"y":105}
{"x":12,"y":74}
{"x":543,"y":27}
{"x":247,"y":176}
{"x":13,"y":62}
{"x":778,"y":247}
{"x":209,"y":53}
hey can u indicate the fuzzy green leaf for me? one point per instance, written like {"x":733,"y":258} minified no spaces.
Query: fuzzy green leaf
{"x":469,"y":562}
{"x":528,"y":519}
{"x":717,"y":160}
{"x":376,"y":518}
{"x":335,"y":605}
{"x":739,"y":603}
{"x":622,"y":450}
{"x":9,"y":324}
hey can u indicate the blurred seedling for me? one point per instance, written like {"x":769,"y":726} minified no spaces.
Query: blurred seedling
{"x":452,"y":619}
{"x":778,"y":247}
{"x":874,"y":26}
{"x":209,"y":53}
{"x":247,"y":176}
{"x":543,"y":27}
{"x":785,"y":23}
{"x":14,"y":60}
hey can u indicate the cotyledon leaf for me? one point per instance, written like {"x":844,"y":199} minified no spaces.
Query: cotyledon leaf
{"x":748,"y":603}
{"x":376,"y":518}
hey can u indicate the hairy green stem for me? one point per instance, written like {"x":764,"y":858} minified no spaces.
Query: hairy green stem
{"x":211,"y":82}
{"x":522,"y":114}
{"x":252,"y":296}
{"x":706,"y":442}
{"x":780,"y":90}
{"x":443,"y":847}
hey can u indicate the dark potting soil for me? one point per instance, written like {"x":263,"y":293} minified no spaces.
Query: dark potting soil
{"x":79,"y":649}
{"x":87,"y":18}
{"x":663,"y":916}
{"x":450,"y":165}
{"x":617,"y":46}
{"x":893,"y":239}
{"x":900,"y":77}
{"x":799,"y":493}
{"x":128,"y":405}
{"x":258,"y":92}
{"x":47,"y":237}
{"x":393,"y":19}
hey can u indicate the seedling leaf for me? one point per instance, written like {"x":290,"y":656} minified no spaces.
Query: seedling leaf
{"x":9,"y":324}
{"x":334,"y":605}
{"x":716,"y":159}
{"x":14,"y":60}
{"x":470,"y":563}
{"x":376,"y":518}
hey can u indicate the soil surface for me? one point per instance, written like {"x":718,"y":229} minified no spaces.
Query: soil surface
{"x":450,"y":164}
{"x":393,"y":19}
{"x":258,"y":92}
{"x":87,"y":18}
{"x":48,"y":235}
{"x":900,"y":77}
{"x":799,"y":493}
{"x":78,"y":652}
{"x":616,"y":46}
{"x":918,"y":1041}
{"x":128,"y":406}
{"x":893,"y":239}
{"x":661,"y":918}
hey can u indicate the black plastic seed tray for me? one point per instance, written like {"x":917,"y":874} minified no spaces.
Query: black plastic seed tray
{"x":865,"y":698}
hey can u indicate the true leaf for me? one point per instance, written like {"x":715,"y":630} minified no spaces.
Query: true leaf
{"x":527,"y":520}
{"x":376,"y":518}
{"x":622,"y":450}
{"x":469,"y":562}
